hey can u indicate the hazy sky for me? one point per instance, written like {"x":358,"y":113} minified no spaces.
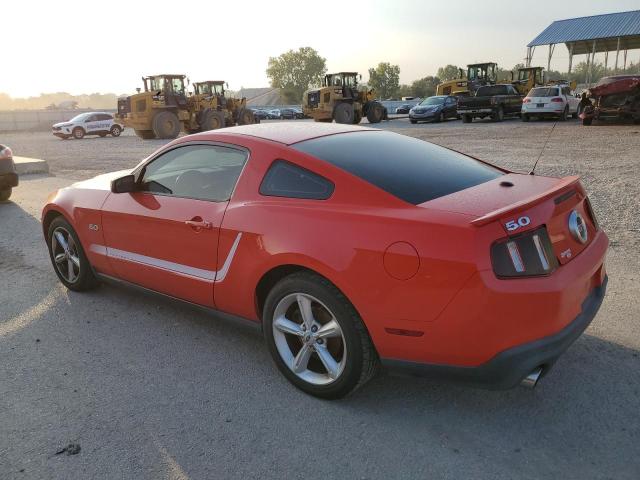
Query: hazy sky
{"x":106,"y":46}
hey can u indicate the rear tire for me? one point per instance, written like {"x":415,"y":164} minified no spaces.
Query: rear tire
{"x":166,"y":125}
{"x":115,"y":131}
{"x":78,"y":133}
{"x":564,"y":114}
{"x":499,"y":115}
{"x":72,"y":267}
{"x":440,"y":118}
{"x":348,"y":351}
{"x":344,"y":113}
{"x":246,"y":117}
{"x":145,"y":134}
{"x":467,"y":119}
{"x":5,"y":194}
{"x":375,"y":112}
{"x":213,"y":120}
{"x":587,"y":121}
{"x":357,"y":118}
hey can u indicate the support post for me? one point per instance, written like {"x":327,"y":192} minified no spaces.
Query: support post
{"x":606,"y":61}
{"x":593,"y":56}
{"x":625,"y":60}
{"x":617,"y":55}
{"x":570,"y":57}
{"x":552,"y":47}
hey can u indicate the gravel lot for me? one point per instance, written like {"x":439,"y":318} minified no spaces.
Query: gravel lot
{"x":151,"y":389}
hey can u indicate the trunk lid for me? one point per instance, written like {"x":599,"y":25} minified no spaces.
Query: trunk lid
{"x":521,"y":203}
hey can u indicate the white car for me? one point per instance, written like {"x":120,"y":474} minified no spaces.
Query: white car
{"x":90,"y":123}
{"x":550,"y":101}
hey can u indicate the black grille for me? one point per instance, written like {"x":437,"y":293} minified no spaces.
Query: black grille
{"x":313,"y":99}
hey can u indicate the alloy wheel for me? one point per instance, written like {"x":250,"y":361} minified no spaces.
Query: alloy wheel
{"x":309,"y":339}
{"x":65,"y":254}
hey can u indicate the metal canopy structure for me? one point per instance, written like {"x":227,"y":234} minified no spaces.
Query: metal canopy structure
{"x":612,"y":32}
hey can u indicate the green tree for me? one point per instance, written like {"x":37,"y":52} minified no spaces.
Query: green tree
{"x":425,"y":87}
{"x":296,"y":71}
{"x":385,"y":79}
{"x":450,"y":72}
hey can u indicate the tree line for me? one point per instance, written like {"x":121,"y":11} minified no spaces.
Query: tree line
{"x":296,"y":71}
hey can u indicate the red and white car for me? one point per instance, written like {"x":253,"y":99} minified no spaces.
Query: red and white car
{"x":350,"y":247}
{"x":550,"y":101}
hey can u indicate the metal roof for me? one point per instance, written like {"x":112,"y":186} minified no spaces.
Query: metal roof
{"x":604,"y":29}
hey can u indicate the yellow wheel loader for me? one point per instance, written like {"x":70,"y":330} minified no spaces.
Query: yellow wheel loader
{"x":478,"y":74}
{"x":340,"y":98}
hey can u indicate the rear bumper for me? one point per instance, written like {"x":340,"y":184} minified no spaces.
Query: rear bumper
{"x":508,"y":368}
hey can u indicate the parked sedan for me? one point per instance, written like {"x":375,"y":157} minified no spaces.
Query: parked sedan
{"x":434,"y":109}
{"x":8,"y":174}
{"x":403,"y":108}
{"x":553,"y":101}
{"x":274,"y":114}
{"x":90,"y":123}
{"x":260,"y":114}
{"x":309,"y":235}
{"x":288,"y":113}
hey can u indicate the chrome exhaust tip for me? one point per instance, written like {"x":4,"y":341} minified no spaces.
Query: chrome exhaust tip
{"x":531,"y":380}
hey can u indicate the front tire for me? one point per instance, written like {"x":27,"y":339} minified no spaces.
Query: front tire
{"x":115,"y":131}
{"x":5,"y":194}
{"x":145,"y":134}
{"x":213,"y":120}
{"x":166,"y":125}
{"x":78,"y":133}
{"x":525,"y":117}
{"x":316,"y":337}
{"x":344,"y":113}
{"x":68,"y":258}
{"x":413,"y":121}
{"x":587,"y":121}
{"x":467,"y":119}
{"x":376,"y":112}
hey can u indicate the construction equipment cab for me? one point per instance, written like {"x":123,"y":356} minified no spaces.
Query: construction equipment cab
{"x":341,"y":99}
{"x":478,"y":74}
{"x":528,"y":78}
{"x":210,"y":108}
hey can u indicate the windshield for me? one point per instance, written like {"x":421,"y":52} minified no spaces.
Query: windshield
{"x":413,"y":170}
{"x":79,"y":118}
{"x":481,"y":72}
{"x":176,"y":85}
{"x":543,"y":92}
{"x":433,"y":101}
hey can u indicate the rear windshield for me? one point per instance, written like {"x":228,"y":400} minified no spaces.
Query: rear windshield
{"x":543,"y":92}
{"x":492,"y":90}
{"x":411,"y":169}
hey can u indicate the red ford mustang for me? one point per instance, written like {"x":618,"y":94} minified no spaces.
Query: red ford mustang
{"x":350,"y":247}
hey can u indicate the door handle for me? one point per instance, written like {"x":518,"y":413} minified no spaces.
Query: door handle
{"x":198,"y":224}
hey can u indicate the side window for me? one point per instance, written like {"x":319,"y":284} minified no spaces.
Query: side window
{"x":105,"y":116}
{"x":203,"y":172}
{"x":284,"y":179}
{"x":451,"y":101}
{"x":90,"y":118}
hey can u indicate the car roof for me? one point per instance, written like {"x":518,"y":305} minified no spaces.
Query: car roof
{"x":289,"y":133}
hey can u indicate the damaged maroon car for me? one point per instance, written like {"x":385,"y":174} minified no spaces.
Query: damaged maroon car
{"x":615,"y":97}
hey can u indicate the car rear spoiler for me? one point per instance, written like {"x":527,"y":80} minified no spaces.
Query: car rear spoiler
{"x":527,"y":202}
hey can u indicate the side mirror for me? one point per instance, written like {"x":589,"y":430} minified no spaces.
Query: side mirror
{"x":126,"y":184}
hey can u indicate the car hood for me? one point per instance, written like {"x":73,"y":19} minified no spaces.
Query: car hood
{"x":62,"y":124}
{"x":101,"y":182}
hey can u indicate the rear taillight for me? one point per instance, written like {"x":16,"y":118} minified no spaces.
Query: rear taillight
{"x":557,"y":100}
{"x":526,"y":100}
{"x":592,"y":215}
{"x":527,"y":255}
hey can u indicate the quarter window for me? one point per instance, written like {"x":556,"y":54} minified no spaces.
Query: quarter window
{"x":284,"y":179}
{"x":203,"y":172}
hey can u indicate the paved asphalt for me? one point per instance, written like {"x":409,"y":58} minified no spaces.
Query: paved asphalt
{"x":151,"y":389}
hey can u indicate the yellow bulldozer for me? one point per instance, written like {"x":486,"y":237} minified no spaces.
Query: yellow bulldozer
{"x":478,"y":74}
{"x":164,"y":108}
{"x":340,"y":98}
